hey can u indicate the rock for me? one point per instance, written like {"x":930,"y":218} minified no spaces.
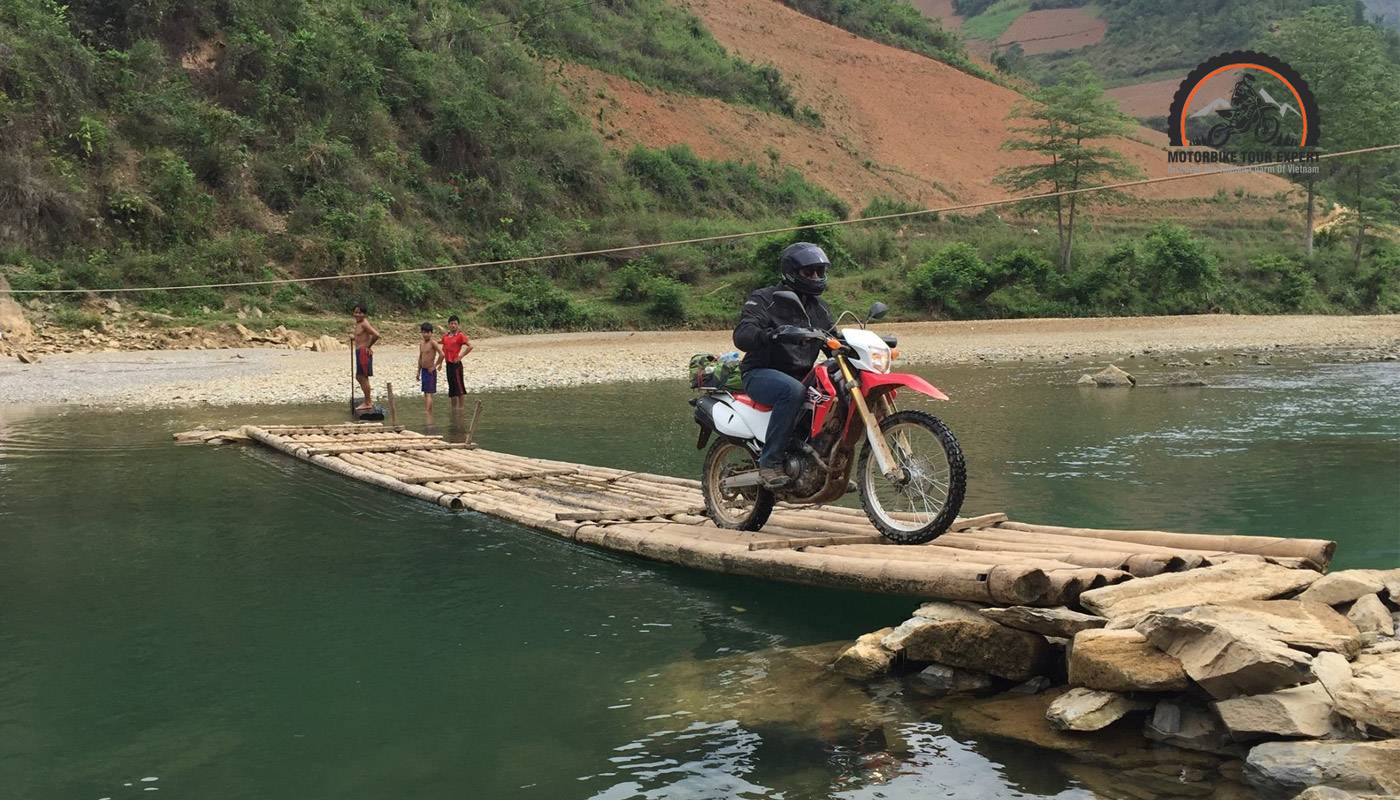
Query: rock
{"x":1226,"y":661}
{"x":960,"y":637}
{"x":326,"y":343}
{"x":1086,"y":380}
{"x":1344,"y":586}
{"x":1060,"y":621}
{"x":1112,"y":376}
{"x":1122,"y":661}
{"x":1324,"y":793}
{"x":1184,"y":379}
{"x":1370,"y":615}
{"x":1091,"y":709}
{"x":26,"y":357}
{"x":1371,"y":696}
{"x":1355,"y":766}
{"x":939,"y":679}
{"x":12,"y":320}
{"x":1332,"y":670}
{"x":243,"y":332}
{"x":1189,"y":726}
{"x":865,"y":659}
{"x":1380,"y":647}
{"x":111,"y":306}
{"x":1233,"y":580}
{"x":1297,"y":623}
{"x":1304,"y":711}
{"x":1035,"y":685}
{"x":256,"y":312}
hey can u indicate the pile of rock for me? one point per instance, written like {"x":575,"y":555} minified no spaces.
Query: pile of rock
{"x":1294,"y":672}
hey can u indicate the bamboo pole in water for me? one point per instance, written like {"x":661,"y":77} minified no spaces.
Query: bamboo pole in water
{"x":1318,"y":551}
{"x":338,"y":465}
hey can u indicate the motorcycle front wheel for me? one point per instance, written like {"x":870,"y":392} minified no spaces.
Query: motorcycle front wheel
{"x":926,"y":499}
{"x":744,"y":508}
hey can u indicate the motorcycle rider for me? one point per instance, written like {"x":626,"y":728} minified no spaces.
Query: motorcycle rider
{"x":776,"y":356}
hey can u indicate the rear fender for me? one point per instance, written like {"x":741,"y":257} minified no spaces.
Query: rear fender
{"x":874,"y":383}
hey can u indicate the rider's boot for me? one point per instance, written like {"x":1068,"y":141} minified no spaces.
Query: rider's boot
{"x":773,"y":477}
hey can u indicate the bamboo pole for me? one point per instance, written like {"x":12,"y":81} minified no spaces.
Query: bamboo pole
{"x":476,"y":417}
{"x":335,"y":449}
{"x":350,"y":471}
{"x":1318,"y":551}
{"x":393,"y":412}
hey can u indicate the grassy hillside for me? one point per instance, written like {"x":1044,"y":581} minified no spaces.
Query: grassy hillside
{"x":172,"y":142}
{"x":187,"y":141}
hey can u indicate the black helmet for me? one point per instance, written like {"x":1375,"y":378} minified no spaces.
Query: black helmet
{"x":804,"y":267}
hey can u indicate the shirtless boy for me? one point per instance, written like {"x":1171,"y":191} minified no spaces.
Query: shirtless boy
{"x":365,"y":337}
{"x":429,"y":359}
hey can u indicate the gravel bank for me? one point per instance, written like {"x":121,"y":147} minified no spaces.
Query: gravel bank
{"x":262,"y":375}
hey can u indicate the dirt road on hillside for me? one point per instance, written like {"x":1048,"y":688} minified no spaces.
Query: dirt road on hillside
{"x":229,"y":377}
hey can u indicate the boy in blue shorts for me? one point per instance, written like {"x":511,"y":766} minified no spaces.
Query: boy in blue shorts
{"x":429,"y":359}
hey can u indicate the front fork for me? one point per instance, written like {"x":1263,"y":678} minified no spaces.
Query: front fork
{"x":884,"y":457}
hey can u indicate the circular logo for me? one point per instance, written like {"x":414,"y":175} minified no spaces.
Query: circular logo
{"x":1244,"y":97}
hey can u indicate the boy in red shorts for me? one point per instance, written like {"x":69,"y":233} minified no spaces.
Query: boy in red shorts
{"x":365,"y":337}
{"x":454,"y":346}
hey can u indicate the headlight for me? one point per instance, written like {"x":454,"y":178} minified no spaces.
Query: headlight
{"x":880,"y":360}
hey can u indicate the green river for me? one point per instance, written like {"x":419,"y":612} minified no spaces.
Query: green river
{"x":228,"y":623}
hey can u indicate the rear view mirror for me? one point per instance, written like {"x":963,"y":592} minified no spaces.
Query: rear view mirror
{"x":878,"y":310}
{"x":790,"y":296}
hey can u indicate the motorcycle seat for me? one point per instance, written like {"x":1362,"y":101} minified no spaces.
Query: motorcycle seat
{"x":751,"y":403}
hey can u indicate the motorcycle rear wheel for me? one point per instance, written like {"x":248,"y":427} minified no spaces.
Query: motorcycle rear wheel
{"x":925,"y":504}
{"x":743,"y":509}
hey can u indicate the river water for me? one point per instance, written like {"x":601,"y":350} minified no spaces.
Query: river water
{"x":229,"y":623}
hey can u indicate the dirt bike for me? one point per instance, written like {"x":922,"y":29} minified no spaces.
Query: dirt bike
{"x":1263,"y":120}
{"x":910,"y":473}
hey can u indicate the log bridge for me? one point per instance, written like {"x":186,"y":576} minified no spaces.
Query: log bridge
{"x":986,"y":559}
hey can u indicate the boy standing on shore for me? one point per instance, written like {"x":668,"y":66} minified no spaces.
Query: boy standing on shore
{"x":429,"y":359}
{"x":454,"y":346}
{"x":365,"y":337}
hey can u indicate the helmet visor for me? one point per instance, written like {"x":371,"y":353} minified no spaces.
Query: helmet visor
{"x":813,"y":272}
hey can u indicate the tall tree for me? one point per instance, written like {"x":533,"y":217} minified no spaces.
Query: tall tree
{"x":1067,"y":125}
{"x":1353,"y":77}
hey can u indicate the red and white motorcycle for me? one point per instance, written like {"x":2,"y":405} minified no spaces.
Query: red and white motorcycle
{"x":910,"y":472}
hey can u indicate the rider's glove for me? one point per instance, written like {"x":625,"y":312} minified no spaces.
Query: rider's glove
{"x":790,"y":334}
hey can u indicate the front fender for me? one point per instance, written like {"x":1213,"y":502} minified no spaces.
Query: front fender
{"x":870,"y":381}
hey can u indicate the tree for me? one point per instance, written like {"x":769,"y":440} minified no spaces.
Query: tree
{"x":1349,"y":71}
{"x":1069,"y":122}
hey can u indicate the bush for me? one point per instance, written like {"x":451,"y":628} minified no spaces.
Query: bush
{"x":1183,"y":278}
{"x":667,"y":299}
{"x":949,"y":279}
{"x":534,"y":304}
{"x":632,"y":283}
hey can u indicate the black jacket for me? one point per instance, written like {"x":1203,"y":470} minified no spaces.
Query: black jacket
{"x":763,"y":314}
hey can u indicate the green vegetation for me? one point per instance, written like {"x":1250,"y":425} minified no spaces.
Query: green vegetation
{"x":650,"y":41}
{"x":989,"y":19}
{"x":1353,"y":77}
{"x":168,"y":143}
{"x":1069,"y":120}
{"x":896,"y":23}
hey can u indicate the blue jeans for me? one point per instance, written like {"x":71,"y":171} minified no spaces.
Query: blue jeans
{"x":785,"y":394}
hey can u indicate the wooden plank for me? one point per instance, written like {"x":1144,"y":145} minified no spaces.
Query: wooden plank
{"x":395,"y":447}
{"x":487,"y":476}
{"x":979,"y":521}
{"x":815,"y":541}
{"x":639,"y":513}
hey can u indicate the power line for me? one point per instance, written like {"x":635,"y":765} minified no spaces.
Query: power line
{"x":723,"y":237}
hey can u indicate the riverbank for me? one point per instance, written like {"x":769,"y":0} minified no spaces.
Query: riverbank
{"x":264,"y":375}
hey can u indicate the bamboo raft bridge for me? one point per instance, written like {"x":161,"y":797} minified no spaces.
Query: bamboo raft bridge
{"x":984,"y":559}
